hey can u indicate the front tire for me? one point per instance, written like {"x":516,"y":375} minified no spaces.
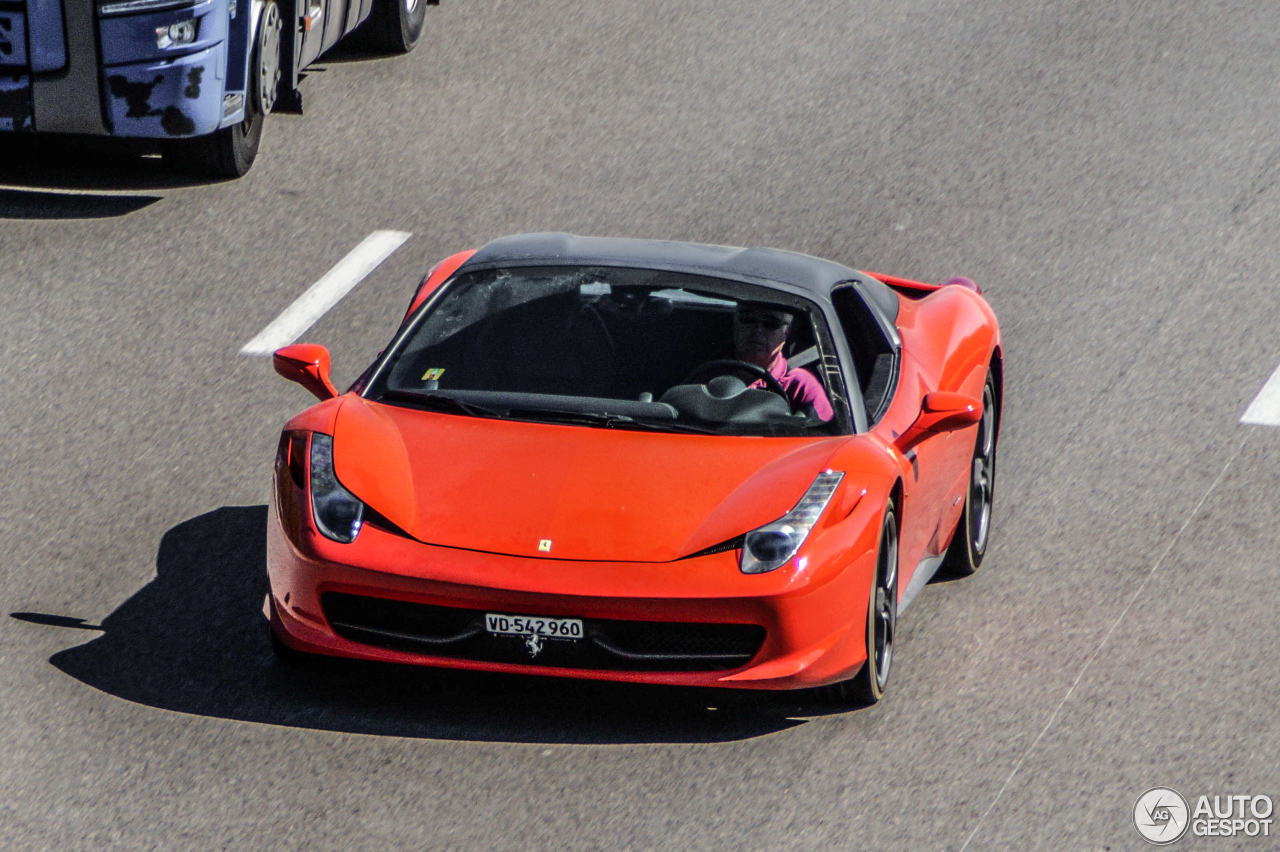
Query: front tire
{"x":395,"y":25}
{"x":969,"y":543}
{"x":868,"y":686}
{"x":230,"y":151}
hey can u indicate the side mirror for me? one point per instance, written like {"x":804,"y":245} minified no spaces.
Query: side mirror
{"x":308,"y":365}
{"x":941,"y":412}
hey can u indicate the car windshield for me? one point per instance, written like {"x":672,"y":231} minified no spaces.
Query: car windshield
{"x":614,"y":347}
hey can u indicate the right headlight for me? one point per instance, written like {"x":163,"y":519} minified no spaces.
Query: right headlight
{"x":338,"y":513}
{"x":771,"y":545}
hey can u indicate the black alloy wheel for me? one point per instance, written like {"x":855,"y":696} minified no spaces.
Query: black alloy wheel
{"x":869,"y":685}
{"x":969,"y":544}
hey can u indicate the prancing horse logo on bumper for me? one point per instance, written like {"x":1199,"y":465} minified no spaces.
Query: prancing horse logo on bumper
{"x":534,"y":643}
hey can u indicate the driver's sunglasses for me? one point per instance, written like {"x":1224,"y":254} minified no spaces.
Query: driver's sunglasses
{"x":769,"y":321}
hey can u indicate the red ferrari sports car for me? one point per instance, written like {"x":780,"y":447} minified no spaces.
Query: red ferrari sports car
{"x":640,"y":461}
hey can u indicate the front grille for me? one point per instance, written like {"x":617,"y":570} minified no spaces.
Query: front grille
{"x":608,"y":644}
{"x":398,"y":623}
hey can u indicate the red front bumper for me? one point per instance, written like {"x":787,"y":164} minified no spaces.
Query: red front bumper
{"x":813,"y":614}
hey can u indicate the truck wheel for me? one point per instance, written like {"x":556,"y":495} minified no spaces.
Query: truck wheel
{"x":395,"y":25}
{"x":230,"y":151}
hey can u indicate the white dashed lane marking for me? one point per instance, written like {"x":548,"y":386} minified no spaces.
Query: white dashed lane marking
{"x":1053,"y":717}
{"x":1265,"y":408}
{"x":325,"y":293}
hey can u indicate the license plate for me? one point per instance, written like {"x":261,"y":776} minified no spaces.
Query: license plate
{"x":533,"y":625}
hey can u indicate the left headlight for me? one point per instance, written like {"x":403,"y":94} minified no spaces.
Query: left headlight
{"x":771,"y":545}
{"x":337,"y":512}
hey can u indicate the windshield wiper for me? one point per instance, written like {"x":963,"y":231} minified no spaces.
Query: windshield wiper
{"x":592,"y":418}
{"x":443,"y":402}
{"x":440,"y":402}
{"x":606,"y":420}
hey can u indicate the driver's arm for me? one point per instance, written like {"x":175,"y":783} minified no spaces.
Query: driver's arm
{"x":806,"y":392}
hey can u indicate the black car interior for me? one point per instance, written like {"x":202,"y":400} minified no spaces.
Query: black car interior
{"x":875,"y":357}
{"x":570,"y":336}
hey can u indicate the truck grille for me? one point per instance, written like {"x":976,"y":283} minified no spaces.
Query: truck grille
{"x":609,"y":645}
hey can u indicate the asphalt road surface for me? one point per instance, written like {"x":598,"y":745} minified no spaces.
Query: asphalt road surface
{"x":1107,"y":171}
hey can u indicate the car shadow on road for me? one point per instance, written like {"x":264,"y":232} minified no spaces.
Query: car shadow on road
{"x":194,"y":640}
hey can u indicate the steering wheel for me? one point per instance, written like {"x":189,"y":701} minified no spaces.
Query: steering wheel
{"x":729,"y":366}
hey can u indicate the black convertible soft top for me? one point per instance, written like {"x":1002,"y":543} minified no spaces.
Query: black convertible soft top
{"x":813,"y":275}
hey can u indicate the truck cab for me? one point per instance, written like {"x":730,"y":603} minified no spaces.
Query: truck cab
{"x":200,"y":75}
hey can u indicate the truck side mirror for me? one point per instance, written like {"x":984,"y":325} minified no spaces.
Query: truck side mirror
{"x":941,"y":412}
{"x":308,"y":365}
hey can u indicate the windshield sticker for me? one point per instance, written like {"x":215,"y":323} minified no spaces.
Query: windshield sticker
{"x":433,"y":374}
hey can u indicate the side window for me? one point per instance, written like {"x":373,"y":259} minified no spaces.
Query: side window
{"x":874,"y":356}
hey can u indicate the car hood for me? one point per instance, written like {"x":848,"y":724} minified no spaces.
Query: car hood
{"x":594,"y":494}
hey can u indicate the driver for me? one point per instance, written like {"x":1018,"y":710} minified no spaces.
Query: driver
{"x":759,"y":333}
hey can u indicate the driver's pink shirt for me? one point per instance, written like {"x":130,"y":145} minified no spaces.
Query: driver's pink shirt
{"x":801,"y":386}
